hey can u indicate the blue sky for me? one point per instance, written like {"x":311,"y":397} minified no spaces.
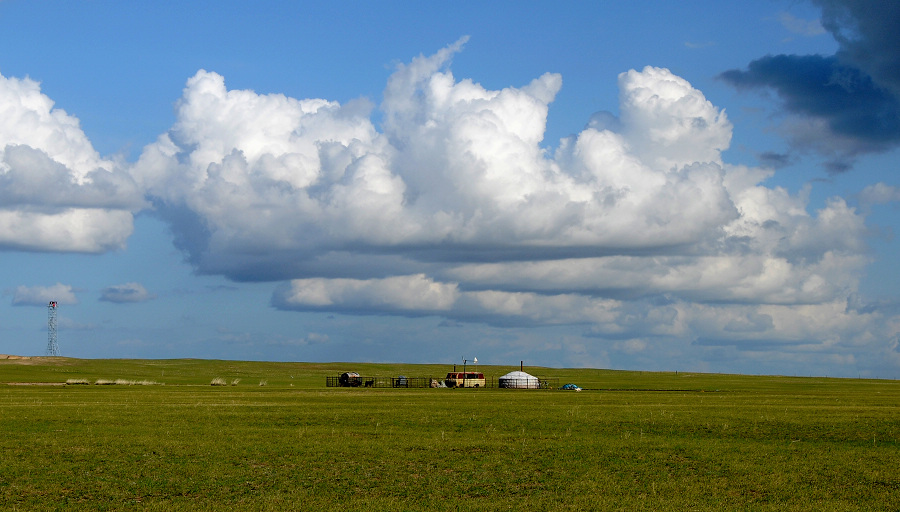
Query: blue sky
{"x":650,"y":185}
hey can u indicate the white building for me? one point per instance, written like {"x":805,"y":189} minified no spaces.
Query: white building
{"x":519,"y":380}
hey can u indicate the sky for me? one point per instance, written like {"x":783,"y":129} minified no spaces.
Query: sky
{"x":657,"y":186}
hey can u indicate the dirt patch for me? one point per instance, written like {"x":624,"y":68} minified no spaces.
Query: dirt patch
{"x":4,"y":358}
{"x":11,"y":359}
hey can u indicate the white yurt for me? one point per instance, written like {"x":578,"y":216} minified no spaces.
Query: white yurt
{"x":519,"y":380}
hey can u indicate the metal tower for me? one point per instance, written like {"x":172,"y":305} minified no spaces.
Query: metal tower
{"x":52,"y":346}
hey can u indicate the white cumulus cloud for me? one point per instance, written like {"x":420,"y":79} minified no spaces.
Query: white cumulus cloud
{"x":397,"y":294}
{"x":43,"y":295}
{"x":56,"y":192}
{"x":264,"y":186}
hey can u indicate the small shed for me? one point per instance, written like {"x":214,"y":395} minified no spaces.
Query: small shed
{"x":350,"y":379}
{"x":519,"y":380}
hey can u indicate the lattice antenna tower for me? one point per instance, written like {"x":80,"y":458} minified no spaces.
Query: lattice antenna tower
{"x":52,"y":346}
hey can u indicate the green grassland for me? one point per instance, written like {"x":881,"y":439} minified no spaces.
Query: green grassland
{"x":275,"y":438}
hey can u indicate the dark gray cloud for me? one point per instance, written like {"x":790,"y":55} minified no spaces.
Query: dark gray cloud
{"x":125,"y":293}
{"x":850,"y":101}
{"x":811,"y":85}
{"x":869,"y":33}
{"x":774,"y":159}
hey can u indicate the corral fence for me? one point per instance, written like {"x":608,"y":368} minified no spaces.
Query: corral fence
{"x":379,"y":382}
{"x":359,"y":381}
{"x":535,"y":383}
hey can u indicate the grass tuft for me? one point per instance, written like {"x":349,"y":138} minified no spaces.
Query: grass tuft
{"x":116,"y":382}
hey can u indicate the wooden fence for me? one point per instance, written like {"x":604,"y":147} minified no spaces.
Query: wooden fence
{"x":416,"y":382}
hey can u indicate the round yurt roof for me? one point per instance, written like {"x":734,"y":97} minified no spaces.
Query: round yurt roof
{"x":518,"y":375}
{"x":519,"y":380}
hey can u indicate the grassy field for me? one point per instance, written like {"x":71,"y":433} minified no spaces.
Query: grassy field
{"x":275,"y":438}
